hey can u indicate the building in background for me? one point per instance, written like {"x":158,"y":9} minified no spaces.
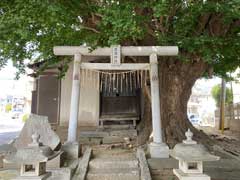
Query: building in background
{"x":15,"y":95}
{"x":201,"y":105}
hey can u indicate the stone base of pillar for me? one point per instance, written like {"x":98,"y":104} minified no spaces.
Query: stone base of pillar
{"x":71,"y":150}
{"x":186,"y":176}
{"x":159,"y":150}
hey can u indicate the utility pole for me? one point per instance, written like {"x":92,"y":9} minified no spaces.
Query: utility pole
{"x":232,"y":100}
{"x":222,"y":107}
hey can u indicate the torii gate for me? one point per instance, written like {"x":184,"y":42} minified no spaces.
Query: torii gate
{"x":158,"y":148}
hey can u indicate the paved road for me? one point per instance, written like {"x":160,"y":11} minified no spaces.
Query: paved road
{"x":6,"y":137}
{"x":9,"y":128}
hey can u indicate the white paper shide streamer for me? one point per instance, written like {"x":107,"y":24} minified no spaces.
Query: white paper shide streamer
{"x":114,"y":81}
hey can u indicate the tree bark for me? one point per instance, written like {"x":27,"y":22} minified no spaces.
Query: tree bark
{"x":176,"y":81}
{"x":145,"y":126}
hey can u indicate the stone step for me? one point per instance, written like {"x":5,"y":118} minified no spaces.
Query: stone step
{"x":103,"y":152}
{"x":114,"y":163}
{"x":159,"y":177}
{"x":113,"y":140}
{"x":114,"y":174}
{"x":119,"y":157}
{"x":124,"y":133}
{"x":117,"y":127}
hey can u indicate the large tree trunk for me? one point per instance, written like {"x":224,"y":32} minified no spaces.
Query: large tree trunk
{"x":176,"y":81}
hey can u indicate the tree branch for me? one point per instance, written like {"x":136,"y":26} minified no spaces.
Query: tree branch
{"x":90,"y":29}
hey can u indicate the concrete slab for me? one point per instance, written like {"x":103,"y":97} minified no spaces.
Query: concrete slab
{"x":60,"y":174}
{"x":223,"y":175}
{"x":168,"y":163}
{"x":8,"y":174}
{"x":82,"y":168}
{"x":145,"y":172}
{"x":42,"y":177}
{"x":224,"y":164}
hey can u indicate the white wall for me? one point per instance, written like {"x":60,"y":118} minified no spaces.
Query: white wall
{"x":89,"y":99}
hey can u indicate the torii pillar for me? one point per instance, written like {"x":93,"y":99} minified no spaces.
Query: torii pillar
{"x":74,"y":108}
{"x":158,"y":149}
{"x":72,"y":147}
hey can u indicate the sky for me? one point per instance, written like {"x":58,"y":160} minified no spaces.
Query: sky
{"x":10,"y":86}
{"x":7,"y":73}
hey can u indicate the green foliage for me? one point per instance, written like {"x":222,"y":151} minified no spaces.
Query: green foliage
{"x":208,"y":30}
{"x":25,"y":117}
{"x":216,"y":94}
{"x":8,"y":107}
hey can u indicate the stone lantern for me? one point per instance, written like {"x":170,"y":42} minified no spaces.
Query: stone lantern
{"x":191,"y":156}
{"x":32,"y":159}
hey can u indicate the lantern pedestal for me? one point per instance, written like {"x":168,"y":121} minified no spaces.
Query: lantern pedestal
{"x":186,"y":176}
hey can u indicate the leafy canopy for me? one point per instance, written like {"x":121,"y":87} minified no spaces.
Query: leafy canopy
{"x":216,"y":94}
{"x":208,"y":30}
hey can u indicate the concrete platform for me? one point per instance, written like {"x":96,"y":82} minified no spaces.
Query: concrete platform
{"x":224,"y":169}
{"x":42,"y":177}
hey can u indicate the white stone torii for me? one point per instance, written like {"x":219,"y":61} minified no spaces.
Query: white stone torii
{"x":158,"y":148}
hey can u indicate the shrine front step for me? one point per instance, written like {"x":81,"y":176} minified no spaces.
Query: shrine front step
{"x":111,"y":140}
{"x":106,"y":133}
{"x":113,"y":166}
{"x":114,"y":174}
{"x":106,"y":136}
